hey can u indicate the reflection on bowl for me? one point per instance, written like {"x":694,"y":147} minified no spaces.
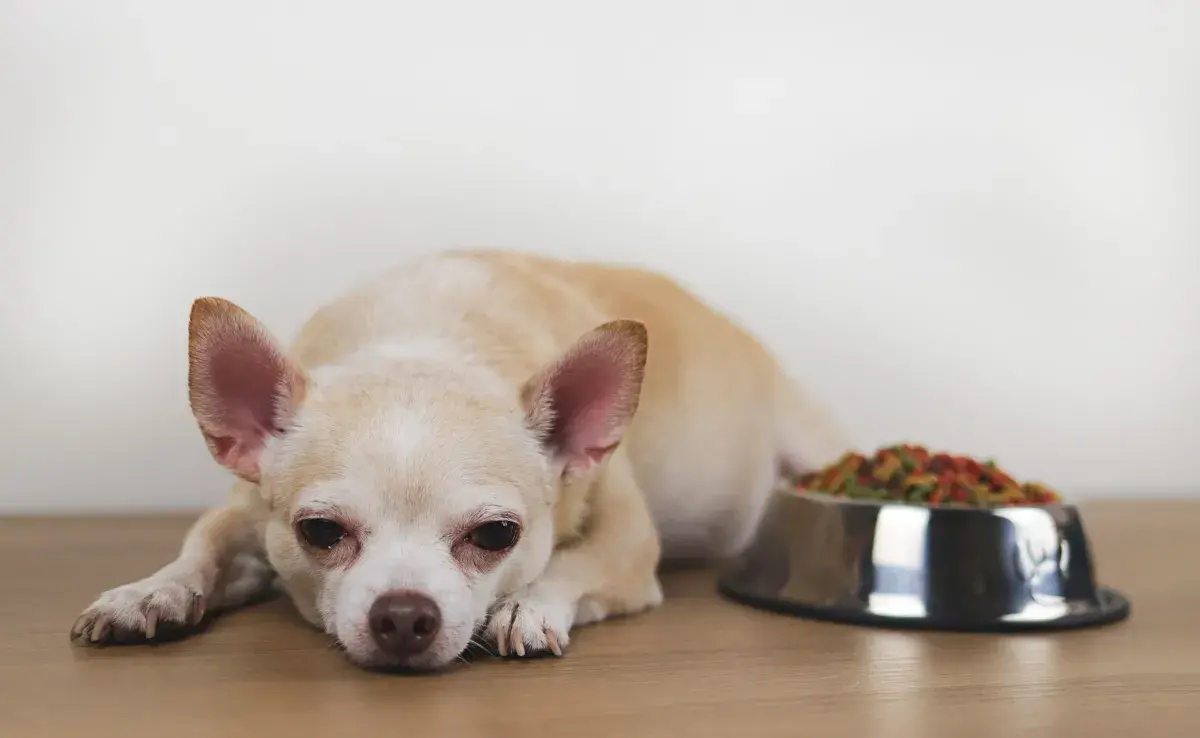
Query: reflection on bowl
{"x":898,"y":564}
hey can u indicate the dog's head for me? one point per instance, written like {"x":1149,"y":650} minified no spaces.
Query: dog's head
{"x":406,"y":491}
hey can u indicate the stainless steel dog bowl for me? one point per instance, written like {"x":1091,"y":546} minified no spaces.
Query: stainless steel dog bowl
{"x":904,"y":565}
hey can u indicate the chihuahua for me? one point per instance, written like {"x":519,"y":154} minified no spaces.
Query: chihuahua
{"x":473,"y":448}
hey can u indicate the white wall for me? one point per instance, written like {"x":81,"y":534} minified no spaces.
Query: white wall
{"x":968,"y":224}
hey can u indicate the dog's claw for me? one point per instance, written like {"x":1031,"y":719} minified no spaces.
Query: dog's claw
{"x":78,"y":627}
{"x":151,"y":623}
{"x":196,"y":612}
{"x":519,"y":645}
{"x":552,"y":642}
{"x":99,"y":630}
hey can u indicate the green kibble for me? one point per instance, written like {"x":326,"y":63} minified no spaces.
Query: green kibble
{"x":856,"y":490}
{"x":921,"y":492}
{"x":981,"y":496}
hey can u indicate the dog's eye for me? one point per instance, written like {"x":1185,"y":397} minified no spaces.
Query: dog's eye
{"x":495,"y":536}
{"x":321,"y":532}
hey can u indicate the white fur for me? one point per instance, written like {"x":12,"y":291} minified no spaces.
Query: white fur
{"x":413,"y":558}
{"x":432,"y":480}
{"x":429,"y":348}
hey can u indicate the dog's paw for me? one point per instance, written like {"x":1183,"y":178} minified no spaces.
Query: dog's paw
{"x":531,"y":623}
{"x":647,"y":596}
{"x":157,"y":607}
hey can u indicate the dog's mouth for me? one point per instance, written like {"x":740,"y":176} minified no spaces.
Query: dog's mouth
{"x":371,"y":658}
{"x":382,"y":663}
{"x":472,"y":653}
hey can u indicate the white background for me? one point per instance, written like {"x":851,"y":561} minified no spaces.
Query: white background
{"x":972,"y":225}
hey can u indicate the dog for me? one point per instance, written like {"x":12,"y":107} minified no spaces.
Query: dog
{"x":473,"y":448}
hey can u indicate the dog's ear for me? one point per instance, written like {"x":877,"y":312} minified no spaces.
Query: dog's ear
{"x":582,"y":403}
{"x":242,"y":388}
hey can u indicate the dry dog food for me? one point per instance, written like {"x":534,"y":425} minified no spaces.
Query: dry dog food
{"x":907,"y":473}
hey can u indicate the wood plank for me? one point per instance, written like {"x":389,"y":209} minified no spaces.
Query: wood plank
{"x":699,"y":666}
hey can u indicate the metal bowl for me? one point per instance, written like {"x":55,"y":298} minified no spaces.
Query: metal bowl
{"x":905,"y":565}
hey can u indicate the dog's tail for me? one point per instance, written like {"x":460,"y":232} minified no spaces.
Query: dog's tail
{"x":806,"y":434}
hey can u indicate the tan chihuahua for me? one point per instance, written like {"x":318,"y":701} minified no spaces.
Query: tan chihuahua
{"x":476,"y":445}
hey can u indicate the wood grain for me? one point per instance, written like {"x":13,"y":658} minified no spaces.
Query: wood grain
{"x":700,"y":666}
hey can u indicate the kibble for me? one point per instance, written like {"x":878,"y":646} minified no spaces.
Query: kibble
{"x":913,"y":474}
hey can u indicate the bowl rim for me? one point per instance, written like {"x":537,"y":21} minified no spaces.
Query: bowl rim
{"x":804,"y":493}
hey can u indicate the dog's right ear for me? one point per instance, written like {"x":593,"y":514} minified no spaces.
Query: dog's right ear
{"x":241,"y":386}
{"x":581,"y":404}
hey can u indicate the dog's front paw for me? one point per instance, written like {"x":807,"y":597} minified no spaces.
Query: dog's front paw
{"x":531,"y":623}
{"x":157,"y":607}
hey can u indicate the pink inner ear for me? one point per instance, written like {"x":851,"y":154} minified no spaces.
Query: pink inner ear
{"x":583,"y":403}
{"x":242,"y":387}
{"x":585,"y":395}
{"x":246,"y":382}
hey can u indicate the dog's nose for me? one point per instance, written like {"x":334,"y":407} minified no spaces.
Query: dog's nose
{"x":404,"y":623}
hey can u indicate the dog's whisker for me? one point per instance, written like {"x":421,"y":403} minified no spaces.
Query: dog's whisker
{"x":483,"y":647}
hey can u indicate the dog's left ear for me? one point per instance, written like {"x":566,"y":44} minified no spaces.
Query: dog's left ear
{"x":242,"y":387}
{"x":582,"y":403}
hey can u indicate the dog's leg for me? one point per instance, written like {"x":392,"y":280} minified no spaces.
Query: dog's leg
{"x":610,"y":571}
{"x":220,"y":567}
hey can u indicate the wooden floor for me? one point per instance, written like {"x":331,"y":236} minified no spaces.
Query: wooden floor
{"x":700,"y":666}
